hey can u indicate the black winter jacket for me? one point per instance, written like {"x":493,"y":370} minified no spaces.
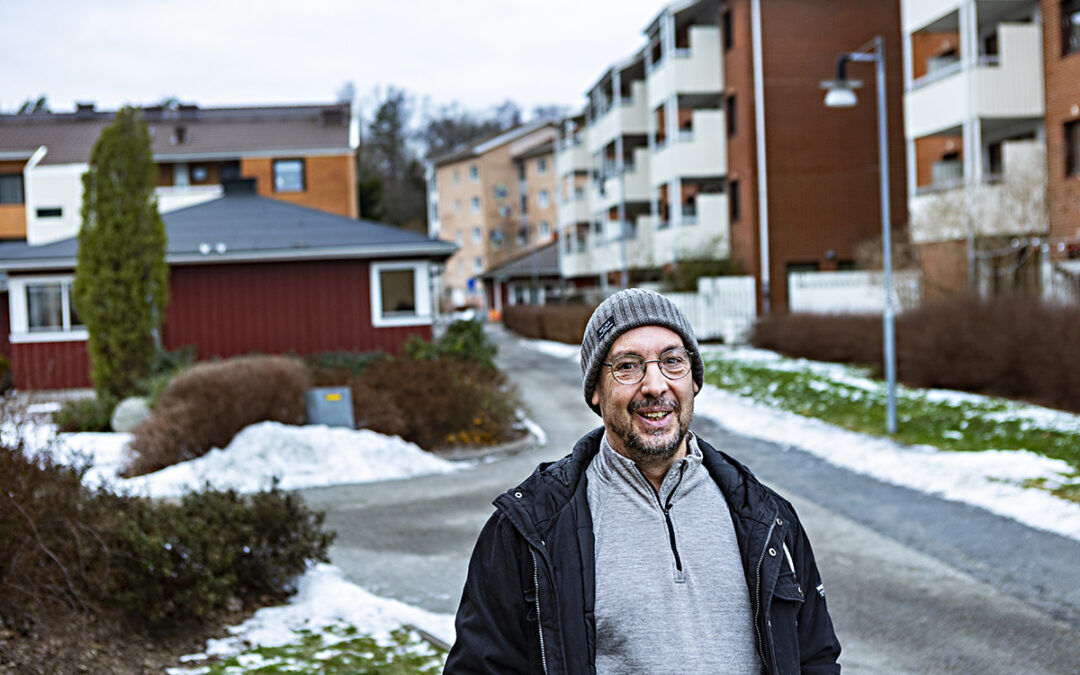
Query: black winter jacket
{"x":527,"y":606}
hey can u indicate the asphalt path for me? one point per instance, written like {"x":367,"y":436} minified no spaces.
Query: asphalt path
{"x":915,"y":583}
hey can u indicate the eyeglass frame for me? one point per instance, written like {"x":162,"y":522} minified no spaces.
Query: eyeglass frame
{"x":645,"y":366}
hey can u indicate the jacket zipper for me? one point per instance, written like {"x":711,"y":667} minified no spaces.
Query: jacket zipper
{"x":667,"y":514}
{"x":757,"y":593}
{"x":539,"y":621}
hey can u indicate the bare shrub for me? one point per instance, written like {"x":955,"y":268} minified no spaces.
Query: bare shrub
{"x":206,"y":405}
{"x":435,"y":403}
{"x":1012,"y":346}
{"x":852,"y":338}
{"x":562,"y":323}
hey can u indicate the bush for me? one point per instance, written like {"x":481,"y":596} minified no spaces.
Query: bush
{"x":1012,"y":347}
{"x":68,"y":549}
{"x":435,"y":403}
{"x":562,"y":323}
{"x":180,"y":562}
{"x":206,"y":405}
{"x":463,"y":340}
{"x":337,"y":367}
{"x":85,"y":414}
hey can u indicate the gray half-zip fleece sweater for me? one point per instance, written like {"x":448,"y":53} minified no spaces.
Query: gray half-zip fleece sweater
{"x":671,"y":595}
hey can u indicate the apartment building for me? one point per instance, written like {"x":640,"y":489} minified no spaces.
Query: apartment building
{"x":297,"y":154}
{"x":1061,"y":68}
{"x":495,"y":198}
{"x":712,"y":141}
{"x":976,"y":142}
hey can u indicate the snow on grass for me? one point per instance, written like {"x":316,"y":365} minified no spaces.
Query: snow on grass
{"x":324,"y":599}
{"x":989,"y":479}
{"x":559,"y":350}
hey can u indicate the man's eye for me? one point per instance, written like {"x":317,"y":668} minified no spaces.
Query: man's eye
{"x":626,"y":366}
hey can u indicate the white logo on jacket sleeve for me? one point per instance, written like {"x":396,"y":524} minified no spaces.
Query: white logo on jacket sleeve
{"x":821,"y":590}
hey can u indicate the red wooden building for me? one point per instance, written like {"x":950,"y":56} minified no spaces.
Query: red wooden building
{"x":247,"y":274}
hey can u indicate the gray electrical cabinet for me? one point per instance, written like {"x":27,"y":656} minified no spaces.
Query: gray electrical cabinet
{"x":331,"y":406}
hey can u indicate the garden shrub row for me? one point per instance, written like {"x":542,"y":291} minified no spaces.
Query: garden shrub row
{"x":71,"y":549}
{"x":1014,"y":347}
{"x":561,"y":323}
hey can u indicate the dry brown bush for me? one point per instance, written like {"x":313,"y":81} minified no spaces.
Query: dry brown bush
{"x":850,"y":338}
{"x":435,"y":403}
{"x":1014,"y":346}
{"x":562,"y":323}
{"x":206,"y":405}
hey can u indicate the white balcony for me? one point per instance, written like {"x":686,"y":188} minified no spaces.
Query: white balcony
{"x":626,"y":116}
{"x":698,"y":70}
{"x":1009,"y":204}
{"x":633,"y":186}
{"x":917,"y":14}
{"x":701,"y":152}
{"x":1009,"y":85}
{"x":575,"y":210}
{"x":573,"y":158}
{"x":173,"y":197}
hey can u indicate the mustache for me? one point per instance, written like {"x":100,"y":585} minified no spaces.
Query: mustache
{"x":651,"y":402}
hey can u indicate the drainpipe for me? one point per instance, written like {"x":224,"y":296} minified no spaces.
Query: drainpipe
{"x":762,"y":169}
{"x":28,"y":187}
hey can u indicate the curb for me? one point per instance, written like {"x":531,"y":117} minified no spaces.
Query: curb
{"x":467,"y":452}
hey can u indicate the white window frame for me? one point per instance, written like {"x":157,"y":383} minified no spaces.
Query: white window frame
{"x":19,"y":315}
{"x":474,"y":173}
{"x":474,"y":204}
{"x":421,"y":291}
{"x":477,"y":235}
{"x":543,"y":199}
{"x":541,"y":166}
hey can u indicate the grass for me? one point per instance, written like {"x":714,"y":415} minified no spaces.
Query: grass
{"x":336,"y":650}
{"x":846,"y":397}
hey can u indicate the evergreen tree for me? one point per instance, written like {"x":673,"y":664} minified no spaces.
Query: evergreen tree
{"x":121,"y":279}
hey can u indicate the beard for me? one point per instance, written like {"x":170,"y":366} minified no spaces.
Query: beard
{"x":651,"y":446}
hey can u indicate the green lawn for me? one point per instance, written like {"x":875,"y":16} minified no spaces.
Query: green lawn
{"x":847,"y":397}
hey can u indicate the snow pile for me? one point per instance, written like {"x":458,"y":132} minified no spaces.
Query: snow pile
{"x":301,"y":457}
{"x":559,"y":350}
{"x":989,"y":479}
{"x":326,"y":598}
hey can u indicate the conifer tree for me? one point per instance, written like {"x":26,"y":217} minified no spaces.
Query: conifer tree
{"x":121,"y":279}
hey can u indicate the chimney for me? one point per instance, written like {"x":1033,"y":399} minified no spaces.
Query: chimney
{"x":84,"y":110}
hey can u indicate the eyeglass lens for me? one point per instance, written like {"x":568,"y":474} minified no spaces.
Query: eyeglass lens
{"x":630,"y":369}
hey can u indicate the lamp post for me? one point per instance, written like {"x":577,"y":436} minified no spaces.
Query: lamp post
{"x":841,"y":94}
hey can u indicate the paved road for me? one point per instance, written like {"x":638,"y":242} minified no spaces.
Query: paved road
{"x":916,"y":584}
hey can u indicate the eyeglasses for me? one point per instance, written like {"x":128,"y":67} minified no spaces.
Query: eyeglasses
{"x":630,"y":369}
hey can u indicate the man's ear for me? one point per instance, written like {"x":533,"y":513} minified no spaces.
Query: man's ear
{"x":697,"y":387}
{"x":596,"y":397}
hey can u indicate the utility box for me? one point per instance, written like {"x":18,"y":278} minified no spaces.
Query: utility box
{"x":331,"y":406}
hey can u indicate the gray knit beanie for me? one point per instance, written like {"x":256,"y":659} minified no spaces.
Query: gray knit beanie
{"x":628,"y":309}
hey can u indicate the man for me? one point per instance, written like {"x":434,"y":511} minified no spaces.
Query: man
{"x":645,"y":550}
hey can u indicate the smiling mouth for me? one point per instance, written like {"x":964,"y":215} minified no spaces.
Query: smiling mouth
{"x":655,"y":416}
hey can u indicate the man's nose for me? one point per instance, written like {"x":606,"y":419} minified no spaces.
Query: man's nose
{"x":654,"y":380}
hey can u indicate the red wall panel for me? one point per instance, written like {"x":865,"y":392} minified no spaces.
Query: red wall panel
{"x":50,"y":365}
{"x":299,"y":307}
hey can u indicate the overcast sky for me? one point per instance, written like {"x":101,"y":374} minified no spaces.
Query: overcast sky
{"x":217,"y":52}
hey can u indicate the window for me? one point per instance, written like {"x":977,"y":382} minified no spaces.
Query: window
{"x":457,"y":207}
{"x":42,"y":310}
{"x":728,"y":36}
{"x":474,"y":203}
{"x":478,"y":264}
{"x":474,"y":173}
{"x":460,"y":267}
{"x":199,"y":173}
{"x":541,"y":166}
{"x":1072,"y":148}
{"x":543,"y":199}
{"x":524,"y":204}
{"x":288,"y":175}
{"x":11,"y":188}
{"x":521,"y":170}
{"x":457,"y":176}
{"x":545,"y":229}
{"x":477,"y":236}
{"x":1070,"y":27}
{"x":460,"y":238}
{"x":732,"y":116}
{"x":399,"y":294}
{"x":734,"y":203}
{"x":50,"y":212}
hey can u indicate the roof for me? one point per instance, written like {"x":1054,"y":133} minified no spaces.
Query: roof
{"x":545,"y":148}
{"x":239,"y":228}
{"x":487,"y":143}
{"x":540,"y":262}
{"x":207,"y":132}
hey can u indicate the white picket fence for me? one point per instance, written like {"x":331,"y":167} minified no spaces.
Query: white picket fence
{"x":855,"y":291}
{"x":723,"y":308}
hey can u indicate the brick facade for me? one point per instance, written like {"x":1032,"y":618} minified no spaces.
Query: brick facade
{"x":1062,"y":73}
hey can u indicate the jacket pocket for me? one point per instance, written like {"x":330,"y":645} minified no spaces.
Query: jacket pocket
{"x":783,"y":623}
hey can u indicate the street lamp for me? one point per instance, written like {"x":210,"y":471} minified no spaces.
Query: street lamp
{"x":841,"y":94}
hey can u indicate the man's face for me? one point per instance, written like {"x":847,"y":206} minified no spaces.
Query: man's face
{"x":646,"y":421}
